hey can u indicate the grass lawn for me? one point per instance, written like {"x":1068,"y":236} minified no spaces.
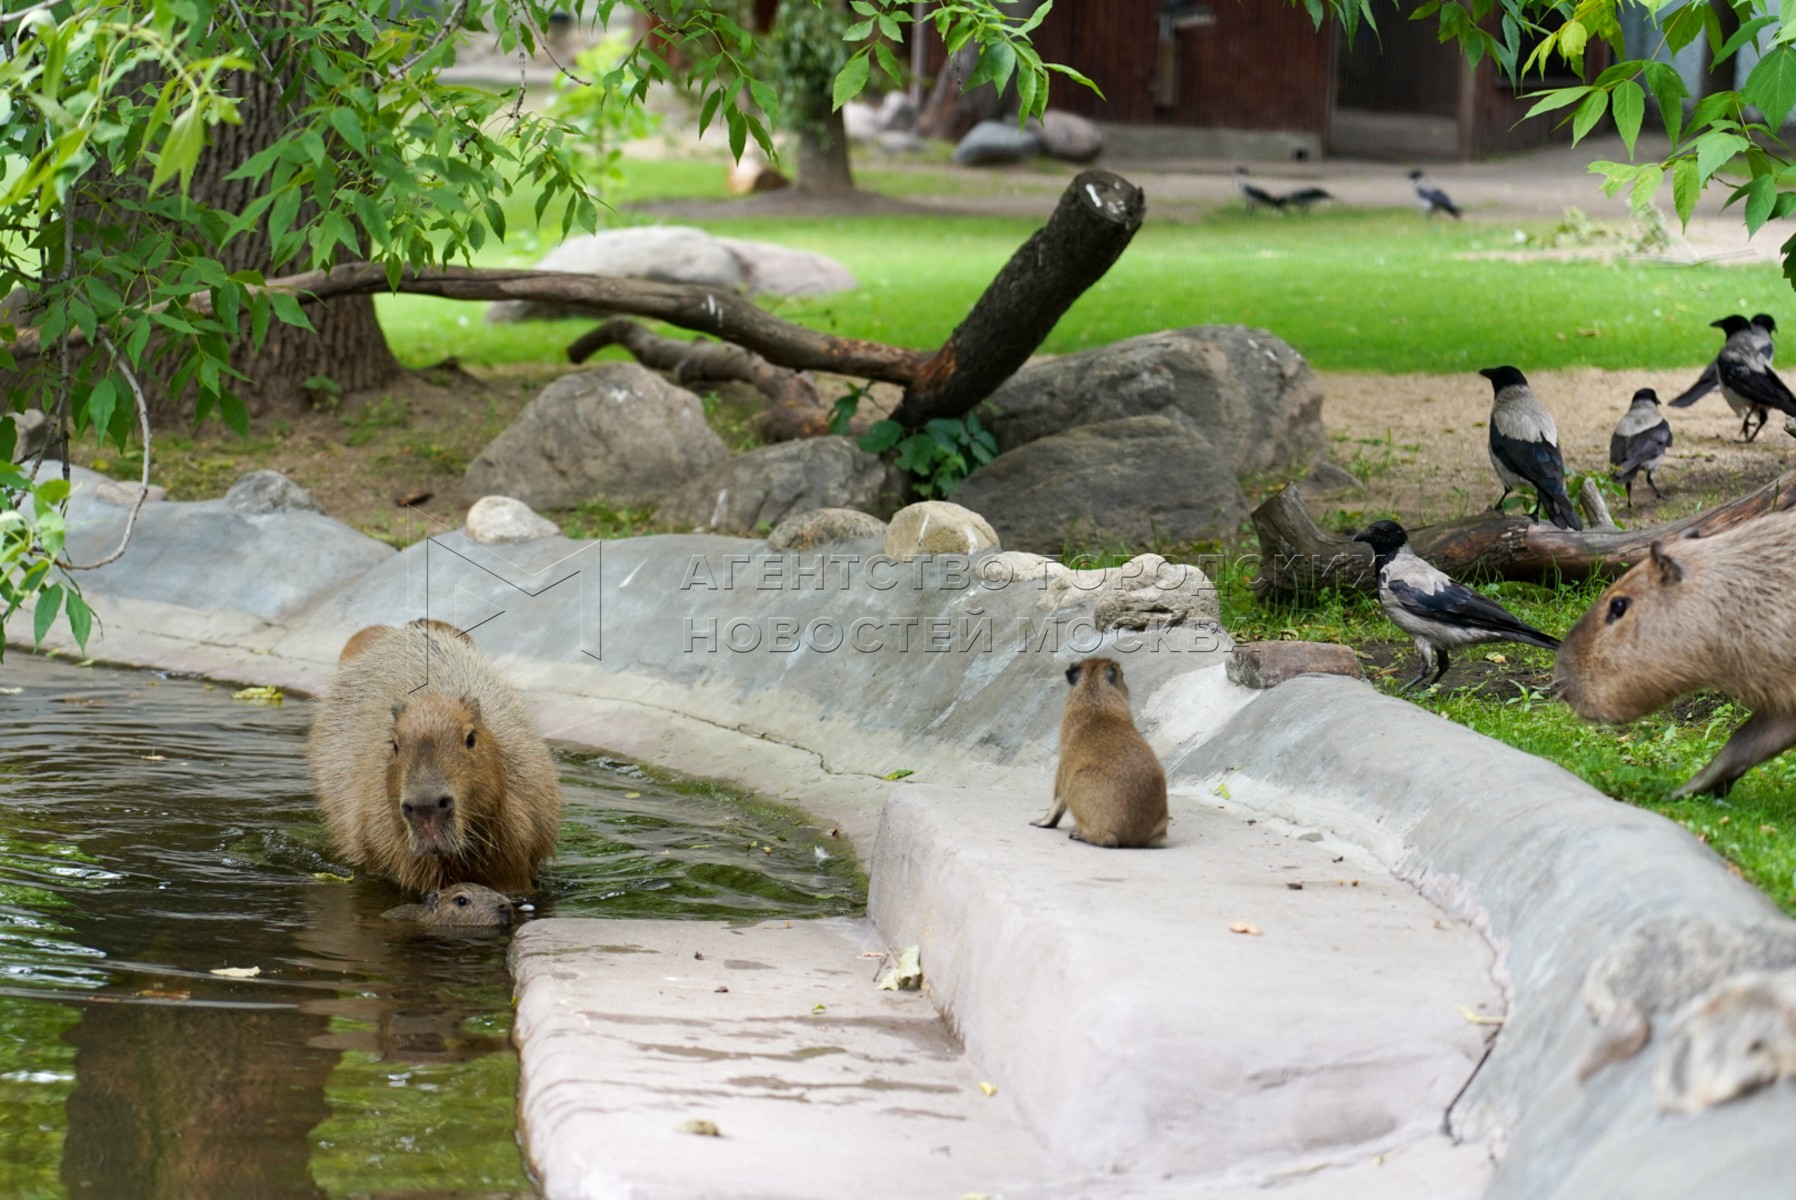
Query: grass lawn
{"x":1354,"y":289}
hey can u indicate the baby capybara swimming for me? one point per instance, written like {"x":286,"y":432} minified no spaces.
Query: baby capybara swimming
{"x":427,"y":766}
{"x":458,"y":906}
{"x":1714,"y":612}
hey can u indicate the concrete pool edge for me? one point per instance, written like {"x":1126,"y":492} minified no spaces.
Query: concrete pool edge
{"x":1547,"y":869}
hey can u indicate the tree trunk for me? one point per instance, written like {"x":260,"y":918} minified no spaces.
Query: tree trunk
{"x":823,"y":168}
{"x":1097,"y":216}
{"x":1297,"y":556}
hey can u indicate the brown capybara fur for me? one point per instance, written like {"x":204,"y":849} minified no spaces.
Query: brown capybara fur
{"x":1108,"y":776}
{"x":1698,"y":613}
{"x":427,"y":766}
{"x":460,"y":905}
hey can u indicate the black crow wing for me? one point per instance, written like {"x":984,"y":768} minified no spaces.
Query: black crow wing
{"x":1627,"y":453}
{"x":1459,"y":606}
{"x":1537,"y":462}
{"x":1705,"y":383}
{"x":1758,"y":384}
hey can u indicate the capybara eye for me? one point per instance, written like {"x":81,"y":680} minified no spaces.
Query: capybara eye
{"x":1618,"y":608}
{"x":470,"y":739}
{"x":461,"y":902}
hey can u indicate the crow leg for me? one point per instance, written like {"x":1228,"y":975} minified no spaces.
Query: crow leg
{"x":1427,"y":653}
{"x":1446,"y":661}
{"x":1653,"y":484}
{"x":1498,"y":506}
{"x":1765,"y":735}
{"x":1628,"y":487}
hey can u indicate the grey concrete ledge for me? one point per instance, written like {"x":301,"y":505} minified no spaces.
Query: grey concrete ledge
{"x":1140,"y":1036}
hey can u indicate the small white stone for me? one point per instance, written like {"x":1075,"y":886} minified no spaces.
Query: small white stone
{"x":502,"y":519}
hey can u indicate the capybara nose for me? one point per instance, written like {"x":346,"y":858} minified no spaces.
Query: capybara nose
{"x":426,"y":808}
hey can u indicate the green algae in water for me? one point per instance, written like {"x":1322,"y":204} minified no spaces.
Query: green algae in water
{"x":152,"y":831}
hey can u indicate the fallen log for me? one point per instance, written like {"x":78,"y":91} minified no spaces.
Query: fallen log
{"x":796,"y":409}
{"x":1297,"y":556}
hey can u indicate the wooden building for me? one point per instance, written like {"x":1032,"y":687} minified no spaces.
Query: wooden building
{"x":1260,"y":66}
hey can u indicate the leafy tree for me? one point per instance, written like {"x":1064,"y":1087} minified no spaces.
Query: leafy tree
{"x":161,"y":160}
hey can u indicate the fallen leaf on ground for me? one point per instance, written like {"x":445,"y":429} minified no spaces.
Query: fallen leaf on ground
{"x":410,"y":498}
{"x":900,"y":773}
{"x":702,"y":1128}
{"x":1494,"y":657}
{"x":990,"y":1089}
{"x":1477,"y":1018}
{"x":906,"y":974}
{"x":1247,"y":927}
{"x":10,"y":691}
{"x":155,"y":993}
{"x":331,"y":877}
{"x":259,"y":695}
{"x":155,"y":758}
{"x":237,"y":972}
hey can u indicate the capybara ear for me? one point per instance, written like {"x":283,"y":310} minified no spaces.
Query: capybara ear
{"x":432,"y":899}
{"x":1073,"y":672}
{"x":1669,"y":570}
{"x":473,"y":703}
{"x":1113,"y":673}
{"x":398,"y":707}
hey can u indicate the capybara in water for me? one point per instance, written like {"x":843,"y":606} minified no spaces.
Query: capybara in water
{"x":1108,"y":776}
{"x":428,"y":767}
{"x":458,"y":905}
{"x":1711,"y":612}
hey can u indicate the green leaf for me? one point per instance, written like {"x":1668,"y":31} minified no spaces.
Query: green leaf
{"x":1669,"y":91}
{"x":1746,"y":33}
{"x":1761,"y":197}
{"x":100,"y":403}
{"x":882,"y":436}
{"x":1628,"y":103}
{"x":81,"y":617}
{"x":48,"y":602}
{"x":180,"y":150}
{"x":1686,"y":184}
{"x":1571,"y":37}
{"x":1685,"y":24}
{"x":1588,"y":114}
{"x":851,"y":79}
{"x":344,"y":121}
{"x":1771,"y":87}
{"x":1557,"y":98}
{"x":1716,"y":150}
{"x":1646,"y":185}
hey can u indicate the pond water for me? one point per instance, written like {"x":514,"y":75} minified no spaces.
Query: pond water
{"x":154,"y":830}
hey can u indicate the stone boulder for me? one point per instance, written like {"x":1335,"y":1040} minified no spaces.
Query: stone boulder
{"x":755,"y":492}
{"x":770,"y":268}
{"x":1067,"y":137}
{"x":619,"y":432}
{"x":495,"y":520}
{"x":122,"y":493}
{"x":860,"y":121}
{"x":897,"y":112}
{"x":824,"y":527}
{"x":1268,"y":664}
{"x":1131,"y":481}
{"x":266,"y":492}
{"x":995,"y":144}
{"x":1254,"y":398}
{"x":938,"y":527}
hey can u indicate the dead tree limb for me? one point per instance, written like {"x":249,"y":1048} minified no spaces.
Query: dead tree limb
{"x":1092,"y":225}
{"x":1297,"y":556}
{"x":796,"y":409}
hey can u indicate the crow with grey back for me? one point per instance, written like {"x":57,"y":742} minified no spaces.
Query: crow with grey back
{"x":1742,"y":370}
{"x":1303,"y":198}
{"x":1255,"y":198}
{"x":1432,"y":199}
{"x":1524,"y":447}
{"x":1440,"y":614}
{"x":1641,"y":439}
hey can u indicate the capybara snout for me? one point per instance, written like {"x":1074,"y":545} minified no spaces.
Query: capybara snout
{"x":442,"y":765}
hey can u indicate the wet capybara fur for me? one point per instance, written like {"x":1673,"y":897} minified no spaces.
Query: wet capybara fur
{"x":460,"y":905}
{"x":1698,"y":613}
{"x":1108,"y":776}
{"x":427,"y":766}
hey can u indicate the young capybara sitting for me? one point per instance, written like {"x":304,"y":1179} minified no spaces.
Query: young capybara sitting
{"x":1108,"y":775}
{"x":1714,"y":612}
{"x":427,"y":765}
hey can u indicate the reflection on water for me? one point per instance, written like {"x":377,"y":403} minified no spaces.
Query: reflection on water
{"x":153,"y":832}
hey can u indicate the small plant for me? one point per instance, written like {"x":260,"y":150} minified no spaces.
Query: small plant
{"x":602,"y":110}
{"x":599,"y":519}
{"x":938,"y":456}
{"x":322,"y":392}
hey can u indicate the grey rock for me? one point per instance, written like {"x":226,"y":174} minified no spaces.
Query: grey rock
{"x":1268,"y":664}
{"x":899,"y":141}
{"x":897,"y":113}
{"x":1257,"y":403}
{"x":995,"y":144}
{"x":501,"y":519}
{"x":33,"y":430}
{"x":267,"y":492}
{"x":937,"y":527}
{"x":1009,"y":567}
{"x":667,"y":253}
{"x":619,"y":431}
{"x":1125,"y":481}
{"x":1067,"y":137}
{"x":758,"y":490}
{"x":1148,"y":591}
{"x":772,"y":269}
{"x":860,"y":121}
{"x":1326,"y":477}
{"x":824,"y":527}
{"x":123,"y":493}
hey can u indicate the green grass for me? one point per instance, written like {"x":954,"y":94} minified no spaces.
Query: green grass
{"x":1353,"y":289}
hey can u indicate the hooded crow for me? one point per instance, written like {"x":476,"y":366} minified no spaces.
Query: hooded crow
{"x":1255,"y":198}
{"x":1430,"y":607}
{"x":1524,"y":447}
{"x":1302,"y":198}
{"x":1640,"y":441}
{"x":1743,"y":372}
{"x":1764,"y":325}
{"x":1432,"y":199}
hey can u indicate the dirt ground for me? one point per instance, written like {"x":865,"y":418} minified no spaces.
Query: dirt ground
{"x":1419,"y":442}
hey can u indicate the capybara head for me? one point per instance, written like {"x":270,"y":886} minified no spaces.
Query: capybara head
{"x":1094,"y":674}
{"x":1675,"y":623}
{"x":467,"y":904}
{"x":445,"y":773}
{"x":1733,"y":1041}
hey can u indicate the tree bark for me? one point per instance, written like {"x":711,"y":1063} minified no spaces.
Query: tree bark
{"x":797,"y":410}
{"x":823,"y":168}
{"x":1297,"y":556}
{"x":1094,"y":222}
